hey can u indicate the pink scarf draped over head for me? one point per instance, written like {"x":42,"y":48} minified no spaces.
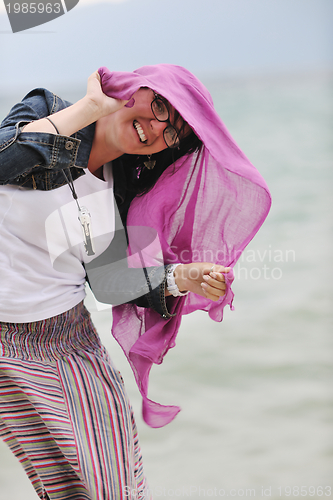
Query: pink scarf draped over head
{"x":205,"y":208}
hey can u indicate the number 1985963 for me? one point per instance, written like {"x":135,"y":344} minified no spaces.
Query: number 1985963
{"x":303,"y":491}
{"x":34,"y":8}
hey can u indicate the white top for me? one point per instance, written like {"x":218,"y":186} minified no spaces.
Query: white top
{"x":41,"y":245}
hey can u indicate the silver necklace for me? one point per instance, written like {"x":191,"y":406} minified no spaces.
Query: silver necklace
{"x":83,"y":216}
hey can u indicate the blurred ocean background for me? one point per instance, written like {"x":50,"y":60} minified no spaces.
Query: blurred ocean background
{"x":256,"y":389}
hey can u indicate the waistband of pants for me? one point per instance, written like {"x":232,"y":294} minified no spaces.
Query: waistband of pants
{"x":51,"y":338}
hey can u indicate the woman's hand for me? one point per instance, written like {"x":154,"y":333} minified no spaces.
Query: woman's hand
{"x":100,"y":103}
{"x":202,"y":278}
{"x":88,"y":110}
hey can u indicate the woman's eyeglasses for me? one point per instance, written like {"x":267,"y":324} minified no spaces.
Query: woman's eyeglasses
{"x":161,"y":113}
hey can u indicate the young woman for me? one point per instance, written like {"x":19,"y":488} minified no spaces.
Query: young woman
{"x":183,"y":190}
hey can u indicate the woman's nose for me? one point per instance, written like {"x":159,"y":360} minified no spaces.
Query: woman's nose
{"x":157,"y":126}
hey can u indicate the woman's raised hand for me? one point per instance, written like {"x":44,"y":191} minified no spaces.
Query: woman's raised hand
{"x":202,"y":278}
{"x":101,"y":104}
{"x":93,"y":106}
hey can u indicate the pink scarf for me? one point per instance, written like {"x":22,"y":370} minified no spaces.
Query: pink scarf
{"x":205,"y":209}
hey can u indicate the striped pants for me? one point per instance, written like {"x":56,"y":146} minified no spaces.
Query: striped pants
{"x":64,"y":411}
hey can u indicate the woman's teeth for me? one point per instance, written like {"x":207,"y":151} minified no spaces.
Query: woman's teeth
{"x":140,"y":131}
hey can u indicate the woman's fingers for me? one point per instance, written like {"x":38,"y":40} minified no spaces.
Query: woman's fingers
{"x":214,"y":283}
{"x":104,"y":104}
{"x":217,"y":269}
{"x":214,"y":286}
{"x":212,"y":293}
{"x":202,"y":278}
{"x":215,"y":280}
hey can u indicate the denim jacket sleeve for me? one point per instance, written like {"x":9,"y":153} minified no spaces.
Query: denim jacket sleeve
{"x":36,"y":159}
{"x":116,"y":284}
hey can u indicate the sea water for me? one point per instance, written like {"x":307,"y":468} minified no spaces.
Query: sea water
{"x":256,"y":389}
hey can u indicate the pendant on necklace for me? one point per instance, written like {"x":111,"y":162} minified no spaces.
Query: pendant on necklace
{"x":85,"y":221}
{"x":150,"y":164}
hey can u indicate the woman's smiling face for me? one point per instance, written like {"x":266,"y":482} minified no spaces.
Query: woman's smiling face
{"x":135,"y":130}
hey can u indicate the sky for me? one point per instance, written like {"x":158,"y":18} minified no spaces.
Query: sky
{"x":209,"y":37}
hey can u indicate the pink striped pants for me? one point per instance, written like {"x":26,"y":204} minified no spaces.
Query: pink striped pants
{"x":64,"y":411}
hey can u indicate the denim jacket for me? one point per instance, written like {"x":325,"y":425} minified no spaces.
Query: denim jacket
{"x":36,"y":160}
